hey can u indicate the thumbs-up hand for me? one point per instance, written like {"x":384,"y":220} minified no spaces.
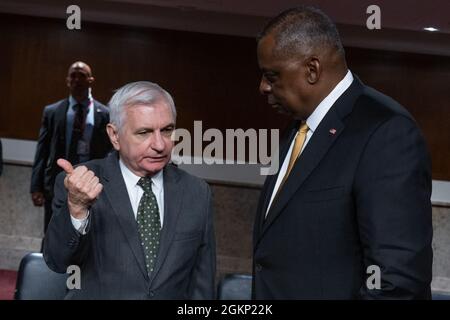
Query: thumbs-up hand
{"x":83,"y":188}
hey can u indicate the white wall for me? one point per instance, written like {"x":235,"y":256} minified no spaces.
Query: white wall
{"x":22,"y":152}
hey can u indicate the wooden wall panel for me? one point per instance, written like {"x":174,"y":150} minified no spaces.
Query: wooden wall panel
{"x":213,"y":78}
{"x":421,"y":83}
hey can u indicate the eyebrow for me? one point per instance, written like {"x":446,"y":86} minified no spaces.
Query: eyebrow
{"x":153,"y":129}
{"x":270,"y":72}
{"x":169,"y":125}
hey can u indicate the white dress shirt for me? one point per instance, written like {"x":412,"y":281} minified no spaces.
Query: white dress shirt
{"x":135,"y":193}
{"x":313,"y":122}
{"x":84,"y":144}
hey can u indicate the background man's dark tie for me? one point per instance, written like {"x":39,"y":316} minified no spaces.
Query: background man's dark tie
{"x":77,"y":133}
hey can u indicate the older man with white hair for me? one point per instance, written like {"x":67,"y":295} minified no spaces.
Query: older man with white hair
{"x":137,"y":226}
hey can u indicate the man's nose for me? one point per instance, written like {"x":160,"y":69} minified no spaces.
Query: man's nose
{"x":158,"y":143}
{"x":264,"y":86}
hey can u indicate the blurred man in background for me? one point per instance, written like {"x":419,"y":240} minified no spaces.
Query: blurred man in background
{"x":1,"y":158}
{"x":74,"y":129}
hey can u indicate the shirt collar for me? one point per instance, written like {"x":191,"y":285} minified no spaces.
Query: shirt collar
{"x":157,"y":180}
{"x":325,"y":105}
{"x":131,"y":179}
{"x":86,"y":102}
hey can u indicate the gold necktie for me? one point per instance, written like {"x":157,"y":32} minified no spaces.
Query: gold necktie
{"x":298,"y":144}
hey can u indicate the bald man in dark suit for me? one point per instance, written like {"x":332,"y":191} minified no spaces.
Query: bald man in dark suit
{"x":57,"y":137}
{"x":348,"y":216}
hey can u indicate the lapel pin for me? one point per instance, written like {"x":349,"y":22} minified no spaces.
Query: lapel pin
{"x":333,"y":131}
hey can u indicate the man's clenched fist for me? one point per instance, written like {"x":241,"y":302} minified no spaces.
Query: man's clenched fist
{"x":83,"y":188}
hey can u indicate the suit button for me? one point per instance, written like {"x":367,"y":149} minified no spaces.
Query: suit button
{"x":258,"y":267}
{"x":72,"y":243}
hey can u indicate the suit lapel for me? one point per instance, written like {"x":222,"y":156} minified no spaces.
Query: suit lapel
{"x":270,"y":182}
{"x":173,"y":195}
{"x":263,"y":203}
{"x":315,"y":150}
{"x":61,"y":123}
{"x":97,"y":127}
{"x":97,"y":117}
{"x":116,"y":191}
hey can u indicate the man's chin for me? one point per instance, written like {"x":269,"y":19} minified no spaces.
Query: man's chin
{"x":80,"y":93}
{"x":153,"y":166}
{"x":281,"y":110}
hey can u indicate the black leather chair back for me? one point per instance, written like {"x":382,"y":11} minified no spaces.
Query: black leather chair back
{"x":440,"y":295}
{"x":35,"y":281}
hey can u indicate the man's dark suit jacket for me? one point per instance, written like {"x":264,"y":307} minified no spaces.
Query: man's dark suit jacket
{"x":355,"y":198}
{"x":110,"y":255}
{"x":1,"y":158}
{"x":52,"y":143}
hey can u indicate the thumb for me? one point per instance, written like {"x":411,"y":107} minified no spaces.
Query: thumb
{"x":65,"y":165}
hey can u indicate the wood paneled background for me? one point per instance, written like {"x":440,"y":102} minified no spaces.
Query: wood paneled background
{"x":213,"y":78}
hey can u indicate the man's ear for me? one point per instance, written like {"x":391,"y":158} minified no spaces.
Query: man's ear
{"x":113,"y":135}
{"x":91,"y":80}
{"x":313,"y":69}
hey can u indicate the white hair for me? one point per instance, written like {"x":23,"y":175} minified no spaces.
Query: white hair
{"x":137,"y":93}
